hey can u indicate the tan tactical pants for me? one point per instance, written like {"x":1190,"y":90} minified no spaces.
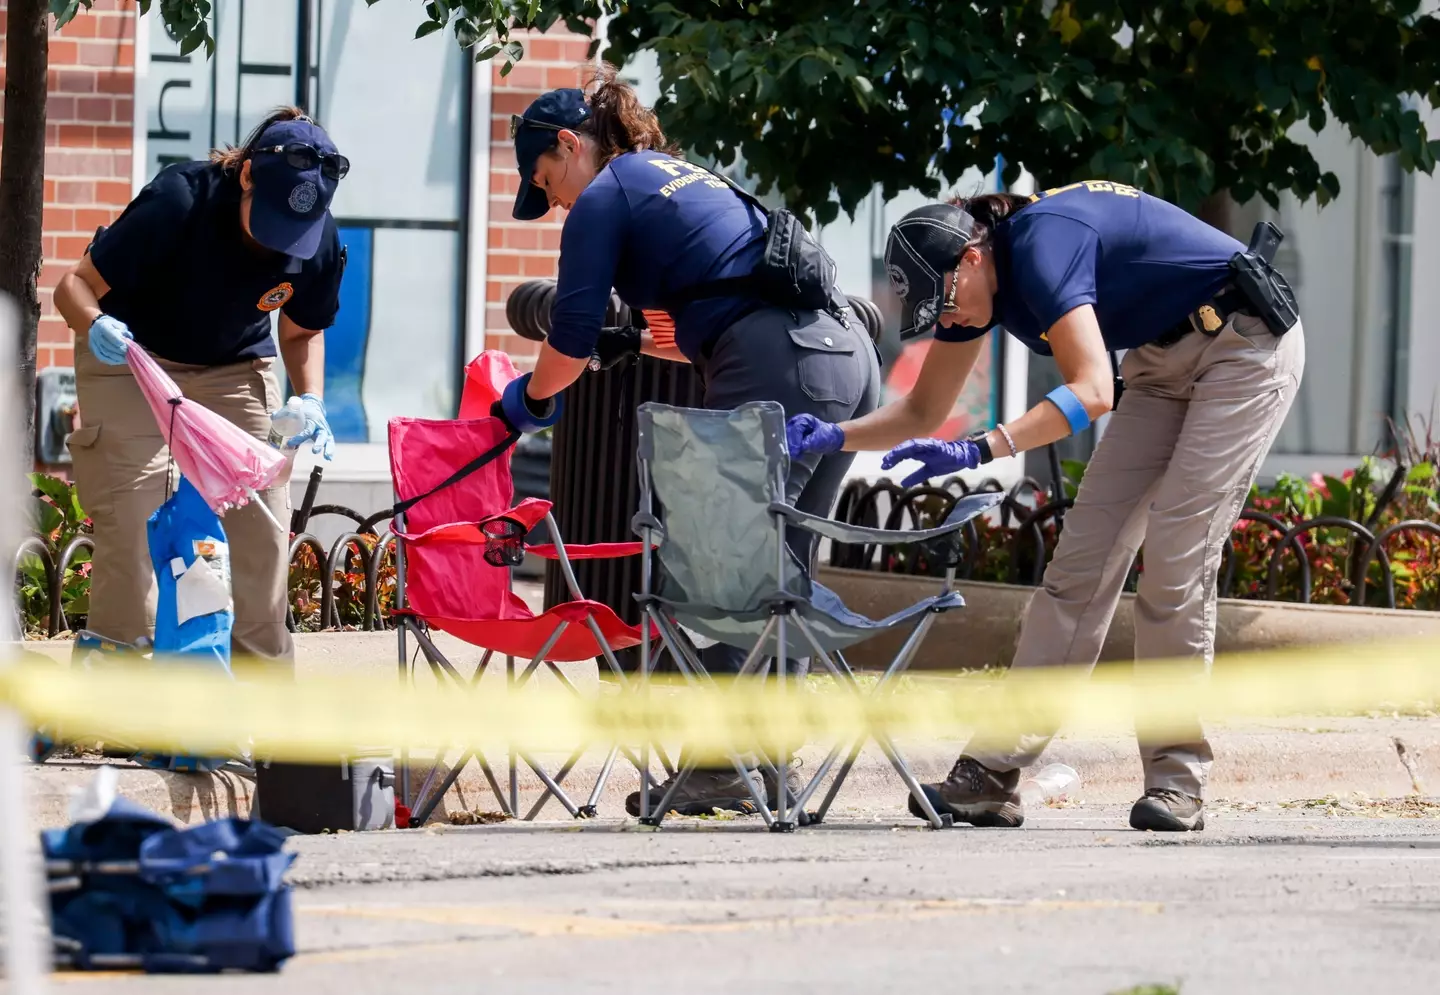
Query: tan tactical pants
{"x":121,"y":467}
{"x":1173,"y":469}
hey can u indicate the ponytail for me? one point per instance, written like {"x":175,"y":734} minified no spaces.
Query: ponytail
{"x":618,"y":121}
{"x":232,"y":157}
{"x":989,"y":210}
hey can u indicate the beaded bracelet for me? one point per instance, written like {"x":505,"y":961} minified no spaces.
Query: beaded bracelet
{"x":1008,"y":440}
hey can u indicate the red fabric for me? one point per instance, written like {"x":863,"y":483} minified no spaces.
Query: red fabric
{"x":662,"y":327}
{"x":593,"y":551}
{"x":447,"y":581}
{"x":528,"y":513}
{"x":452,"y":580}
{"x":523,"y":638}
{"x":485,"y":380}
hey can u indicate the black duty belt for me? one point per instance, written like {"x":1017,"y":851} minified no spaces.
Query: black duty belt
{"x":1209,"y":317}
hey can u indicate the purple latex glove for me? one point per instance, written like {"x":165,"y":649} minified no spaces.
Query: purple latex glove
{"x":938,"y":457}
{"x":808,"y":434}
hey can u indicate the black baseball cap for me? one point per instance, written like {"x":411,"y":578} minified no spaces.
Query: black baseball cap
{"x":290,"y":203}
{"x":922,"y":247}
{"x":535,"y":133}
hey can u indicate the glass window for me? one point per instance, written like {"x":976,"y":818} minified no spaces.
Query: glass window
{"x":394,"y":349}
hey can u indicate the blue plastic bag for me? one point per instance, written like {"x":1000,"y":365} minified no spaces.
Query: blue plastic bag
{"x":195,"y":612}
{"x":130,"y":890}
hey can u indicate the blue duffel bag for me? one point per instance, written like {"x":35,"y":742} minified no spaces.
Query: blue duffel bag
{"x":129,"y":890}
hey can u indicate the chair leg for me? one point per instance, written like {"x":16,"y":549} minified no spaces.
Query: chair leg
{"x":589,"y":809}
{"x":839,"y":779}
{"x":549,"y":783}
{"x":887,"y":745}
{"x":436,"y":658}
{"x":422,"y":812}
{"x":627,"y":687}
{"x":897,"y":760}
{"x":426,"y":803}
{"x":494,"y":783}
{"x":514,"y":772}
{"x":559,"y":779}
{"x":814,"y":783}
{"x":695,"y":673}
{"x":425,"y":786}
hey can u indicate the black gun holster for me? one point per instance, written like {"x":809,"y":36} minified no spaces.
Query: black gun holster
{"x":1264,"y":286}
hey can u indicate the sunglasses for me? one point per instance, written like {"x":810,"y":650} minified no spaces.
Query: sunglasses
{"x":298,"y":155}
{"x":518,"y":121}
{"x":950,"y":297}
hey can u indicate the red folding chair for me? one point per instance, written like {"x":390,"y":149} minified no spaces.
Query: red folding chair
{"x":455,"y":546}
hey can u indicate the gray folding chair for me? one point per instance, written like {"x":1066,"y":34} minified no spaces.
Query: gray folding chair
{"x":727,"y":574}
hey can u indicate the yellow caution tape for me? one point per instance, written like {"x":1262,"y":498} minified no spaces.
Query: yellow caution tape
{"x":171,"y":707}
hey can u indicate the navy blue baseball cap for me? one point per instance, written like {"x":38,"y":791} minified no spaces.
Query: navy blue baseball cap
{"x":295,"y":168}
{"x":922,"y":248}
{"x":535,"y":133}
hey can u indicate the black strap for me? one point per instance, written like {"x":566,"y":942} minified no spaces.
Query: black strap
{"x":745,"y":195}
{"x":488,"y":456}
{"x":730,"y":286}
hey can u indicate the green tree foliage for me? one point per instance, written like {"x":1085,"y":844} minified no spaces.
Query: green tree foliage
{"x":826,"y":98}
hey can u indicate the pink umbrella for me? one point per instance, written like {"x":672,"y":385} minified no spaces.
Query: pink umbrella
{"x":227,"y":465}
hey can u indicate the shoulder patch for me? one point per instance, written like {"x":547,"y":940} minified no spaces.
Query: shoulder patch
{"x":276,"y":297}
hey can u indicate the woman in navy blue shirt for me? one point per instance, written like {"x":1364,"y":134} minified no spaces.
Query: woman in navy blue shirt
{"x":1074,"y":273}
{"x":196,"y":270}
{"x":654,"y":227}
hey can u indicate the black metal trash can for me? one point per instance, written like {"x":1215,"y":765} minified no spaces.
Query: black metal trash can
{"x":594,"y":480}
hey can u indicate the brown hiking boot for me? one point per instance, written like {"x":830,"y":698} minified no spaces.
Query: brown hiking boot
{"x":975,"y":794}
{"x":702,"y":793}
{"x":1163,"y":810}
{"x":792,"y":785}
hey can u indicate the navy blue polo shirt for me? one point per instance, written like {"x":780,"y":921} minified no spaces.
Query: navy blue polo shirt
{"x":650,"y":225}
{"x":1141,"y":262}
{"x":191,"y":290}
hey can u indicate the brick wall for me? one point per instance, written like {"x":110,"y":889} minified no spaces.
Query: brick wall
{"x":522,"y":250}
{"x":89,"y":139}
{"x":88,"y":162}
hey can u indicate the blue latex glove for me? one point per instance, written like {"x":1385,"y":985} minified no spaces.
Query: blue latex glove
{"x":522,"y":412}
{"x":110,"y":340}
{"x":808,"y":434}
{"x":317,"y":428}
{"x":938,"y":457}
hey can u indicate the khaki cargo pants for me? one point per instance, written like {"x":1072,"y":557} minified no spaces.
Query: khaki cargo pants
{"x":1173,"y":469}
{"x":121,"y":466}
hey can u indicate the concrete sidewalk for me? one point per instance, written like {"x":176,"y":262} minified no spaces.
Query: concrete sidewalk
{"x":1279,"y":761}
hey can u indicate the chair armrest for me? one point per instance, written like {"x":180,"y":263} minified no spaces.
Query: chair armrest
{"x":528,"y":513}
{"x":968,"y":507}
{"x":590,"y":551}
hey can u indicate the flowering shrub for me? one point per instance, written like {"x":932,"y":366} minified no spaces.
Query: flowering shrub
{"x":1321,"y":563}
{"x":56,"y":519}
{"x":349,"y":586}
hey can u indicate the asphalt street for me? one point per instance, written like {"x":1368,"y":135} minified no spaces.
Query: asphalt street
{"x":1279,"y":899}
